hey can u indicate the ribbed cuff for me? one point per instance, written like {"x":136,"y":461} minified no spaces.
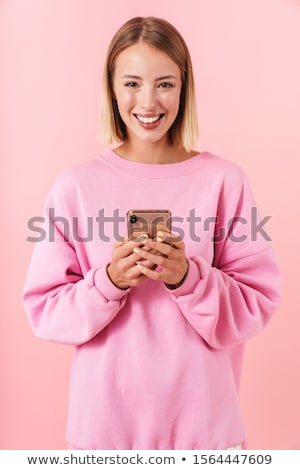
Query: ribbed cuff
{"x":191,"y":280}
{"x":107,"y":288}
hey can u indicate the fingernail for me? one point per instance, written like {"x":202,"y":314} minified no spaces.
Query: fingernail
{"x":142,"y":238}
{"x":136,"y":250}
{"x":159,"y":239}
{"x":146,"y":248}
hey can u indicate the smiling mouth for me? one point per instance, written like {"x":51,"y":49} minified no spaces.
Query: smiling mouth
{"x":148,"y":120}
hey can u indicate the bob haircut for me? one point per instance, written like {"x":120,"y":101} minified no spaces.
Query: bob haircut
{"x":158,"y":33}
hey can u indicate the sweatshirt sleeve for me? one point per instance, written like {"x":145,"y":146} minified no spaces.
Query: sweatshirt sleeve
{"x":62,"y":303}
{"x":232,"y":299}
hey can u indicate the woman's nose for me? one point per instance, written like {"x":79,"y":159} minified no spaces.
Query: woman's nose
{"x":148,"y":98}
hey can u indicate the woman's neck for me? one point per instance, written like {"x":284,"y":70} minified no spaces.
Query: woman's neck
{"x":153,"y":154}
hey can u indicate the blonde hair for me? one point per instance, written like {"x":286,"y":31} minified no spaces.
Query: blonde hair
{"x":158,"y":33}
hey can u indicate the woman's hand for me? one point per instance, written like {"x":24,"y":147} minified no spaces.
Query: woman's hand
{"x":169,"y":257}
{"x":123,"y":269}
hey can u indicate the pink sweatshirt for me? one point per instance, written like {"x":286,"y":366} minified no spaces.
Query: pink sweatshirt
{"x":152,"y":368}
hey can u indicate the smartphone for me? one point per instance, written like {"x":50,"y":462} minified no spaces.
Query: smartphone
{"x":146,"y":221}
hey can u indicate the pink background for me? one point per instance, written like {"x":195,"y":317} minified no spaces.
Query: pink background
{"x":247,"y":69}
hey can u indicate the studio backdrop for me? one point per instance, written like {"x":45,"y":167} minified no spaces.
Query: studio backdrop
{"x":246,"y":63}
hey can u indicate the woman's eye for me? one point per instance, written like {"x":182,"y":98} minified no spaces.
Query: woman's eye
{"x":131,"y":84}
{"x":166,"y":85}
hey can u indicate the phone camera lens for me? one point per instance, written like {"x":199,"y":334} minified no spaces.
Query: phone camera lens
{"x":133,"y":219}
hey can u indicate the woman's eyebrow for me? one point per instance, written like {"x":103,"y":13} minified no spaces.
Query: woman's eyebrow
{"x":136,"y":77}
{"x":166,"y":77}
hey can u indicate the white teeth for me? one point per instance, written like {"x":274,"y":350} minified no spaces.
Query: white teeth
{"x":148,"y":120}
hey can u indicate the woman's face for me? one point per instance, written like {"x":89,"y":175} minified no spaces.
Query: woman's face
{"x":147,"y":86}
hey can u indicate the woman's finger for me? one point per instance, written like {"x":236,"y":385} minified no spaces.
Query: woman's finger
{"x":164,"y":248}
{"x":126,"y":248}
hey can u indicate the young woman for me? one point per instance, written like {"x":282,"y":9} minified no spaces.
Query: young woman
{"x":159,"y":328}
